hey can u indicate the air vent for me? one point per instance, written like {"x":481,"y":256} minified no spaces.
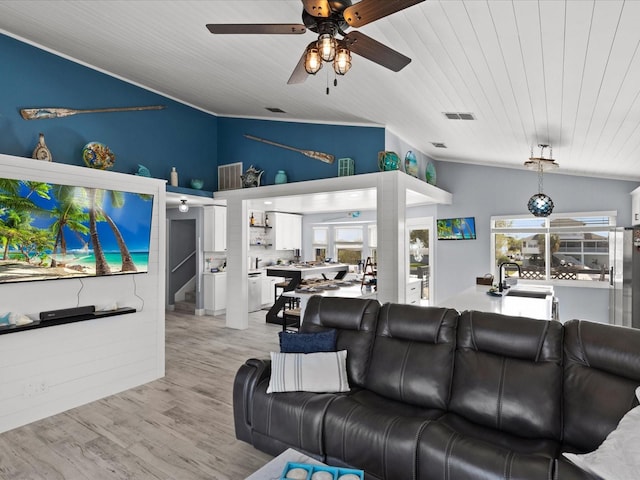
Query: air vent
{"x":229,"y":176}
{"x":459,"y":116}
{"x":438,"y":144}
{"x":275,"y":110}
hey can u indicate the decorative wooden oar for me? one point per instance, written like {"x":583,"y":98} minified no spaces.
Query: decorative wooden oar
{"x":40,"y":113}
{"x":323,"y":157}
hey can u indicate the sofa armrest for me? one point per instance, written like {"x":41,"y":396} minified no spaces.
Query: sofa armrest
{"x":247,"y":378}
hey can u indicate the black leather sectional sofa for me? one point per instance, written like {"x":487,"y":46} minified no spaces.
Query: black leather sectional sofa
{"x":438,"y":395}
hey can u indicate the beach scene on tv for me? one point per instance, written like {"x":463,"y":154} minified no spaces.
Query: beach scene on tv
{"x":51,"y":231}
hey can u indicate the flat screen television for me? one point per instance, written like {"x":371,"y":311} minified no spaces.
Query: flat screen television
{"x":461,"y":228}
{"x":54,"y":231}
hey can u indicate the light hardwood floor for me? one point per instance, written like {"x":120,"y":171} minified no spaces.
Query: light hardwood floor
{"x":179,"y":427}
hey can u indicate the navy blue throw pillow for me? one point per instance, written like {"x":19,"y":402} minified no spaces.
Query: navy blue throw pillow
{"x":308,"y":342}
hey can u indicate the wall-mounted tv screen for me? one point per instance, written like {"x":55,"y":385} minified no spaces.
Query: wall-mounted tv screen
{"x":52,"y":231}
{"x":462,"y":228}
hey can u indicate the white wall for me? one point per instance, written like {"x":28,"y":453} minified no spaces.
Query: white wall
{"x":48,"y":370}
{"x":481,"y":192}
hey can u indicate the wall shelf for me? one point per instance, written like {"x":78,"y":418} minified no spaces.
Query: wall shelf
{"x":61,"y":321}
{"x":190,"y":191}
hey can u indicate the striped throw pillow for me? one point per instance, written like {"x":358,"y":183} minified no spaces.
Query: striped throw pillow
{"x":309,"y":372}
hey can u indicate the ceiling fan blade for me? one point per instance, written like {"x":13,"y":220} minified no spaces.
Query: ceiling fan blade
{"x":299,"y":74}
{"x":257,"y":28}
{"x":317,"y":8}
{"x":367,"y":11}
{"x":375,"y":51}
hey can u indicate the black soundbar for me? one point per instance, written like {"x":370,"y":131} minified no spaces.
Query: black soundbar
{"x":67,"y":312}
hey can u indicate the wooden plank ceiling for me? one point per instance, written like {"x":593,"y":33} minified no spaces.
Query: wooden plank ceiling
{"x":564,"y":73}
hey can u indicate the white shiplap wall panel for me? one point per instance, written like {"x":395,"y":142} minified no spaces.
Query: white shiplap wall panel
{"x":49,"y":370}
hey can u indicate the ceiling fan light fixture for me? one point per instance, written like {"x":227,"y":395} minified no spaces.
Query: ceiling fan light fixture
{"x":312,"y":60}
{"x":342,"y":62}
{"x":327,"y":47}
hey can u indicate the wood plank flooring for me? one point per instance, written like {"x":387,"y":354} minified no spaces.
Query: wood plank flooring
{"x":177,"y":428}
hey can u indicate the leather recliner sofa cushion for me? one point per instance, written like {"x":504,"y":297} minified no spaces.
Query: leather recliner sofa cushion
{"x":295,"y":419}
{"x":601,"y":373}
{"x":407,"y":386}
{"x":504,"y":416}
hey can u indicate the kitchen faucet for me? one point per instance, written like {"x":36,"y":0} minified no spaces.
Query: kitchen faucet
{"x":500,"y":288}
{"x":257,"y":260}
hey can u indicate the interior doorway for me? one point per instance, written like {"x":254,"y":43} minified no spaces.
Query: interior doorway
{"x":419,"y":241}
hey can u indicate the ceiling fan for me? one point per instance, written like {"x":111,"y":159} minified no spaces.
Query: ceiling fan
{"x":329,"y":19}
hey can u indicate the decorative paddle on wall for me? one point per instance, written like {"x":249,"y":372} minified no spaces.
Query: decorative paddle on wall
{"x":41,"y":113}
{"x":323,"y":157}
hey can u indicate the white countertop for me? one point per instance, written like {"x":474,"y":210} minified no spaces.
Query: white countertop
{"x":306,"y":269}
{"x":476,"y":298}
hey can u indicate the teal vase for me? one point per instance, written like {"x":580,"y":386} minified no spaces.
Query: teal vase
{"x":281,"y":177}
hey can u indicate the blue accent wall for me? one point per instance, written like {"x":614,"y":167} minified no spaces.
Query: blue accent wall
{"x":187,"y":138}
{"x":179,"y":135}
{"x":360,"y":143}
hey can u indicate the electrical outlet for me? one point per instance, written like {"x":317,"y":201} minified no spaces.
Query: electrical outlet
{"x":35,"y":388}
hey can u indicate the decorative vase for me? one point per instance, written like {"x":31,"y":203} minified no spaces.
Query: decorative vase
{"x":42,"y":152}
{"x":411,"y":164}
{"x":97,"y":155}
{"x":281,"y":177}
{"x":388,"y":161}
{"x":196,"y":183}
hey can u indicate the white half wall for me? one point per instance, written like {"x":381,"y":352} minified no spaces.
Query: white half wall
{"x":49,"y":370}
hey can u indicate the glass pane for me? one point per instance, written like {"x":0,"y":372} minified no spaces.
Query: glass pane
{"x":523,"y":249}
{"x":580,"y":256}
{"x":349,"y":256}
{"x":321,"y":254}
{"x":349,"y":234}
{"x":581,"y":222}
{"x":520,"y":223}
{"x":320,"y":236}
{"x":419,"y":258}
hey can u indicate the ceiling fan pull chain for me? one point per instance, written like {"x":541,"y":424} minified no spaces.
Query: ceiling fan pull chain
{"x":327,"y":82}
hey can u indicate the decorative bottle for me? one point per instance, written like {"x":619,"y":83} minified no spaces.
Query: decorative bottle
{"x":174,"y":177}
{"x":266,"y":220}
{"x":281,"y":177}
{"x":252,"y":221}
{"x":42,"y":152}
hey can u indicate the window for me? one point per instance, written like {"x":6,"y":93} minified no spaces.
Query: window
{"x":348,"y":243}
{"x":320,"y":243}
{"x":572,"y":247}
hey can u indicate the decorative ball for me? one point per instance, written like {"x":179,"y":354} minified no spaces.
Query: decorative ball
{"x":388,"y":161}
{"x":540,"y":205}
{"x":322,"y":475}
{"x":196,"y":183}
{"x":297,"y":474}
{"x":97,"y":155}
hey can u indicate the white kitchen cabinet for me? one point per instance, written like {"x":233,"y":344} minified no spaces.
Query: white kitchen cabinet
{"x":215,"y":293}
{"x":268,"y":289}
{"x":635,"y":207}
{"x":287,"y":230}
{"x":413,"y":292}
{"x":215,"y":228}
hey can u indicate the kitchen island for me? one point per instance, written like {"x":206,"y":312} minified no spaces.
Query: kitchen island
{"x":295,"y":274}
{"x":476,"y":298}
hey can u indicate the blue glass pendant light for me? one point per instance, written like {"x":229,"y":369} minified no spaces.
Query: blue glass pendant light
{"x":541,"y":204}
